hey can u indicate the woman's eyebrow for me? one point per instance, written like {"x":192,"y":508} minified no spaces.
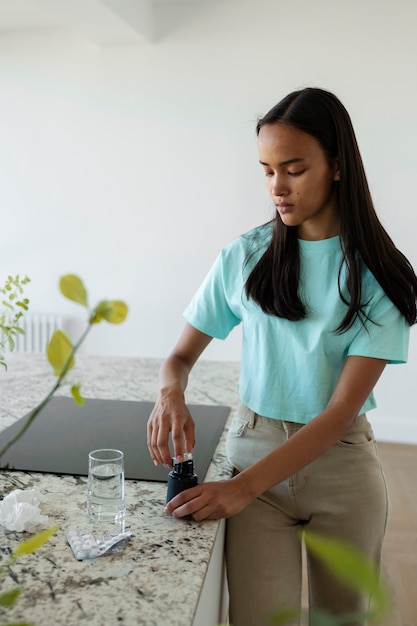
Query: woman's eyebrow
{"x":287,"y":162}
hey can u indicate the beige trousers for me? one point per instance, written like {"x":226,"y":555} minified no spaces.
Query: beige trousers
{"x":341,"y":494}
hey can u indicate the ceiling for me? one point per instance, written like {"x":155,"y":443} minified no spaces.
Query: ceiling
{"x":104,"y":22}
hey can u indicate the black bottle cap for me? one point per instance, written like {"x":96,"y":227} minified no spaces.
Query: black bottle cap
{"x":185,"y":467}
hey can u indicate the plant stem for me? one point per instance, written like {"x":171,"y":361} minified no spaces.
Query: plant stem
{"x":38,"y":408}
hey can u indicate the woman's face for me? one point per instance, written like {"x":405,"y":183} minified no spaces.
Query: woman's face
{"x":300,"y":180}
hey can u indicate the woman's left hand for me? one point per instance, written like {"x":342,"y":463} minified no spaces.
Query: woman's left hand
{"x":214,"y":500}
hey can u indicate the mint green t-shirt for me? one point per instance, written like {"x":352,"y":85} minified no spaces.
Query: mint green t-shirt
{"x":289,"y":369}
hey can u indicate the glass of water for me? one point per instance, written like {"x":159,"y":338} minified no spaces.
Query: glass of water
{"x":106,"y":486}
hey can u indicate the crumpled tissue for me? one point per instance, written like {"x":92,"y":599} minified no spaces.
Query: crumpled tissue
{"x":20,"y":510}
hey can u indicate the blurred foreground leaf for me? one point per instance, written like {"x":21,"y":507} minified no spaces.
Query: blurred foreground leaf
{"x":320,"y":618}
{"x":284,"y":616}
{"x":72,"y":287}
{"x":113,"y":311}
{"x":34,"y":543}
{"x":59,"y":351}
{"x":75,"y":392}
{"x":351,"y":567}
{"x":8,"y":598}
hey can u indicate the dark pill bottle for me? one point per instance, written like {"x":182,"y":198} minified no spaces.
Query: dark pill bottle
{"x":182,"y":476}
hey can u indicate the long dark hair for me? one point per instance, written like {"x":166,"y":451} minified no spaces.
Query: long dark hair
{"x":273,"y":282}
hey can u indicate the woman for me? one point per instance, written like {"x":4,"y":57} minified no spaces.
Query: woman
{"x":326,"y":301}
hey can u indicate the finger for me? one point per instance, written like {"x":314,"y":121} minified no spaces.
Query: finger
{"x":152,"y":429}
{"x":189,"y":436}
{"x":182,"y":499}
{"x":150,"y":436}
{"x":178,"y":441}
{"x":206,"y":512}
{"x":157,"y":441}
{"x":162,"y":448}
{"x":198,"y":508}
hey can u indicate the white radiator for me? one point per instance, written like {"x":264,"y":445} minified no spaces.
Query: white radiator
{"x":38,"y":328}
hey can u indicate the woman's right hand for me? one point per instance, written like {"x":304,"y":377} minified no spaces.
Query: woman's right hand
{"x":170,"y":415}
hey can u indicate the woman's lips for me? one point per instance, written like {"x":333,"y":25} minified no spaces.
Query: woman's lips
{"x":285,"y":208}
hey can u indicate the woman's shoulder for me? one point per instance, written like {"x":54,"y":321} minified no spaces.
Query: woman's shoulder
{"x":251,"y":241}
{"x":373,"y":293}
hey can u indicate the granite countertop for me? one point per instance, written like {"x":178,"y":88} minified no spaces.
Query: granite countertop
{"x":158,"y":577}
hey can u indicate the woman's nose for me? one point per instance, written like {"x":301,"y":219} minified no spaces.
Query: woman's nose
{"x":278,"y":186}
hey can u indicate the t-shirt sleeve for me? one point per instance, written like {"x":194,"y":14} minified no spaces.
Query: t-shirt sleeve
{"x":210,"y":310}
{"x":386,"y":336}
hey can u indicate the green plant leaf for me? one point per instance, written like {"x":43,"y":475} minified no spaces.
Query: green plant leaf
{"x":284,"y":616}
{"x":319,"y":618}
{"x":72,"y":287}
{"x":350,"y":566}
{"x":113,"y":311}
{"x":34,"y":543}
{"x":75,"y":392}
{"x":322,"y":618}
{"x":58,"y":351}
{"x":8,"y":598}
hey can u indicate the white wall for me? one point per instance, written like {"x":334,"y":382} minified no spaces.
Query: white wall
{"x":132,"y":166}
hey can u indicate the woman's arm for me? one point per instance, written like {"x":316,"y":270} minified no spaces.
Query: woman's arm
{"x":226,"y":498}
{"x":170,"y":413}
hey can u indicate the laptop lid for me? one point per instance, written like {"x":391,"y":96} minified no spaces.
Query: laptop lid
{"x":62,"y":435}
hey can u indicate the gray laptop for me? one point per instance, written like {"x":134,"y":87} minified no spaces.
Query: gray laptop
{"x":62,"y":435}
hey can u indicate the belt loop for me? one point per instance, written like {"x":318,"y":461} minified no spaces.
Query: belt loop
{"x":252,"y":419}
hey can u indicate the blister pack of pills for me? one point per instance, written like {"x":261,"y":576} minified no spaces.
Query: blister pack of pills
{"x":85,"y":546}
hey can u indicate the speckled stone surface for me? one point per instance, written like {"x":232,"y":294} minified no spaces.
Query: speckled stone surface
{"x":157,"y":579}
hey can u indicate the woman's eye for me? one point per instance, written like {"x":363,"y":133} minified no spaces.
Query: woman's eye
{"x":298,"y":173}
{"x":269,"y":174}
